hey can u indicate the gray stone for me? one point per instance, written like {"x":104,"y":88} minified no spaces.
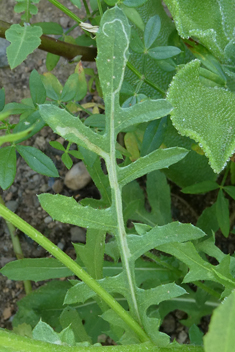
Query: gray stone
{"x":168,"y":324}
{"x":40,"y":143}
{"x":60,"y":245}
{"x":64,"y":21}
{"x":57,"y":186}
{"x":47,"y":220}
{"x":3,"y":56}
{"x":182,"y":337}
{"x":12,"y":205}
{"x":77,"y":177}
{"x":78,"y":234}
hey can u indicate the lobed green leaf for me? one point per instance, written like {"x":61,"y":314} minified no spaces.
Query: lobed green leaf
{"x":67,"y":210}
{"x":24,"y":40}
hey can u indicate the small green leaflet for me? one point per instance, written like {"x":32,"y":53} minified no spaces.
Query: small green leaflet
{"x":24,"y":40}
{"x":201,"y":187}
{"x":222,"y":213}
{"x":38,"y":161}
{"x":37,"y":89}
{"x":2,"y":99}
{"x":76,"y":3}
{"x":133,"y":15}
{"x":163,"y":52}
{"x":27,"y":7}
{"x":8,"y":166}
{"x":151,"y":31}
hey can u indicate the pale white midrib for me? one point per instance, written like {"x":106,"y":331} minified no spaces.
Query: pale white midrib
{"x":112,"y":171}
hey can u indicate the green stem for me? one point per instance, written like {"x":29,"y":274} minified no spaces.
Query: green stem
{"x":17,"y":249}
{"x":69,"y":30}
{"x":225,"y":174}
{"x":86,"y":8}
{"x":161,"y":262}
{"x":146,"y":80}
{"x":207,"y":289}
{"x":65,"y":10}
{"x":74,"y":267}
{"x":100,"y":8}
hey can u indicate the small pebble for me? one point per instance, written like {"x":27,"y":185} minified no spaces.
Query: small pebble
{"x":36,"y":178}
{"x":60,"y":245}
{"x":64,"y":21}
{"x":47,"y":220}
{"x":44,"y":188}
{"x":182,"y":337}
{"x":57,"y":186}
{"x":12,"y":205}
{"x":13,"y":189}
{"x":78,"y":234}
{"x":168,"y":324}
{"x":8,"y":196}
{"x":77,"y":177}
{"x":40,"y":143}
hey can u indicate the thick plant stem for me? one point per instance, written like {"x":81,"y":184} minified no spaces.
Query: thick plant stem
{"x":74,"y":267}
{"x":17,"y":249}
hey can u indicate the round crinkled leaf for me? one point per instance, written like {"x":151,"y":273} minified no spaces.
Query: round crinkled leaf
{"x":203,"y":113}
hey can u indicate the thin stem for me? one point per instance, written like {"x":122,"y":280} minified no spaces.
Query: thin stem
{"x":225,"y":174}
{"x":146,"y":80}
{"x":65,"y":10}
{"x":207,"y":289}
{"x":17,"y":249}
{"x":187,"y":205}
{"x":69,"y":30}
{"x":100,"y":8}
{"x":86,"y":8}
{"x":161,"y":262}
{"x":74,"y":267}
